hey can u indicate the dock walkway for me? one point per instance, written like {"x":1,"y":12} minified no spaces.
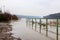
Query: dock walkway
{"x":25,"y":33}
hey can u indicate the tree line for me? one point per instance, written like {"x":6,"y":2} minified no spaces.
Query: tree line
{"x":7,"y":16}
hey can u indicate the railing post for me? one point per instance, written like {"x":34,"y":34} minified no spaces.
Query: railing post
{"x":29,"y":21}
{"x":57,"y":30}
{"x":40,"y":25}
{"x":26,"y":21}
{"x":35,"y":24}
{"x":46,"y":27}
{"x":32,"y":23}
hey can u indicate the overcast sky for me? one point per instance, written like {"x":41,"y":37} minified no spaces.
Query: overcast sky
{"x":31,"y":7}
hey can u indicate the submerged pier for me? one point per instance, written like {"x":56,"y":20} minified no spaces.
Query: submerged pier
{"x":48,"y":27}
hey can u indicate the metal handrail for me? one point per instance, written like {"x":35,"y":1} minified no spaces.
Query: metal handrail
{"x":46,"y":26}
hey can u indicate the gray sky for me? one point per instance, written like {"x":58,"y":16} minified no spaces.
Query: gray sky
{"x":31,"y":7}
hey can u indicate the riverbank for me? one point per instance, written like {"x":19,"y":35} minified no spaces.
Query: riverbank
{"x":5,"y":32}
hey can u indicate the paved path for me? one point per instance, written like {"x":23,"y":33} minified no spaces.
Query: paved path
{"x":25,"y":33}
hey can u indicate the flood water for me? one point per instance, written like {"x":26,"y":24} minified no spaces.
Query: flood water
{"x":20,"y":25}
{"x":52,"y":30}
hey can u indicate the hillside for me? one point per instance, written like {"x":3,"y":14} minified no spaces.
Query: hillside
{"x":54,"y":16}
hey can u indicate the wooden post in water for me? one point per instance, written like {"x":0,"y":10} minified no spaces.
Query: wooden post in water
{"x":26,"y":21}
{"x":35,"y":24}
{"x":32,"y":23}
{"x":29,"y":21}
{"x":40,"y":25}
{"x":57,"y":30}
{"x":46,"y":27}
